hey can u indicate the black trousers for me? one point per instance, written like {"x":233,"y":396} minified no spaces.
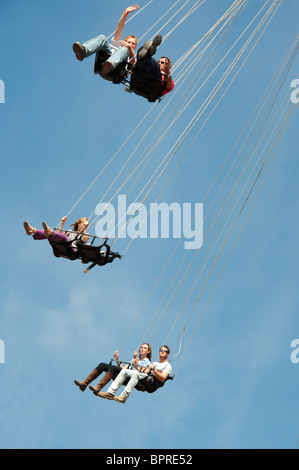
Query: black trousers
{"x":104,"y":367}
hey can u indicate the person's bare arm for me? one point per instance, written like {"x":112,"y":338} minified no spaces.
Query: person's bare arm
{"x":162,"y":376}
{"x":167,"y":71}
{"x":122,"y":21}
{"x":63,"y":221}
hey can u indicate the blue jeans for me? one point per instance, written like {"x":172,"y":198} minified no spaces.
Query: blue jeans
{"x":100,"y":43}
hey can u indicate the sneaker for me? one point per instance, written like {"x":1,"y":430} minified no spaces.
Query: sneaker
{"x":79,"y":50}
{"x":107,"y":395}
{"x":106,"y":68}
{"x":120,"y":399}
{"x":145,"y":49}
{"x":156,"y":42}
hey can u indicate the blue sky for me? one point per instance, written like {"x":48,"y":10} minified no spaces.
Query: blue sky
{"x":235,"y":386}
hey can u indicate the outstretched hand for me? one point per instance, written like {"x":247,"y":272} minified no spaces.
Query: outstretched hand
{"x":167,"y":66}
{"x":131,"y":9}
{"x":115,"y":355}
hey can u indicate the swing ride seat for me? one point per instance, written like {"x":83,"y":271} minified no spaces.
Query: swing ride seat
{"x":144,"y":85}
{"x":86,"y":252}
{"x":149,"y":384}
{"x":139,"y":82}
{"x":117,"y":75}
{"x":64,"y":249}
{"x":94,"y":254}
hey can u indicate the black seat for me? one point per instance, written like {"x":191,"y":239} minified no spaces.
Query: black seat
{"x":93,"y":254}
{"x":142,"y":85}
{"x":149,"y":384}
{"x":62,"y":249}
{"x":117,"y":75}
{"x":146,"y":79}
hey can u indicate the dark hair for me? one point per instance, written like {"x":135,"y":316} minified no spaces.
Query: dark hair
{"x":164,"y":57}
{"x":165,"y":346}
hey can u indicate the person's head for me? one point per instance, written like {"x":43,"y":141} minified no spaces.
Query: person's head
{"x":80,"y":225}
{"x":146,"y":350}
{"x":165,"y":64}
{"x":164,"y":352}
{"x":132,"y":40}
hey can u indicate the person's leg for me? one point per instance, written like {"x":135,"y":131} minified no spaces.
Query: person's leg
{"x":100,"y":43}
{"x":58,"y":237}
{"x":110,"y":370}
{"x":150,"y":47}
{"x":92,"y":376}
{"x":115,"y":385}
{"x":149,"y":67}
{"x":120,"y":55}
{"x":39,"y":235}
{"x":124,"y":373}
{"x":135,"y":376}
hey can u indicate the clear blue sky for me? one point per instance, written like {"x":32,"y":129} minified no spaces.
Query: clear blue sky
{"x":236,"y":386}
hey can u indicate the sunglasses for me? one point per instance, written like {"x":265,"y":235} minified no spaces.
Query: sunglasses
{"x":164,"y":350}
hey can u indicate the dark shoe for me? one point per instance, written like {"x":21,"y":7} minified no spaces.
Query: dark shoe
{"x":156,"y":42}
{"x":106,"y":68}
{"x":79,"y":50}
{"x":92,"y":376}
{"x":145,"y":49}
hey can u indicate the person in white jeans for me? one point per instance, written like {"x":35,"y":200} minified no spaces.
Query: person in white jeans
{"x":140,"y":366}
{"x":161,"y":370}
{"x":133,"y":375}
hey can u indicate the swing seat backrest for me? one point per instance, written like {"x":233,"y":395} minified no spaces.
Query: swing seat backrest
{"x":116,"y":76}
{"x":62,"y":249}
{"x":143,"y":85}
{"x":150,"y":384}
{"x":93,"y":254}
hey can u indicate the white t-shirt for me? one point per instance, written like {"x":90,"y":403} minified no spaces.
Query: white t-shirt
{"x":114,"y":45}
{"x":163,"y":367}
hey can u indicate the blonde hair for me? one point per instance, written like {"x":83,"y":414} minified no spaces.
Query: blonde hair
{"x":81,"y":220}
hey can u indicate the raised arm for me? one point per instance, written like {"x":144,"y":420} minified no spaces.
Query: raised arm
{"x":168,"y":74}
{"x":122,"y":21}
{"x":116,"y":357}
{"x":63,"y":221}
